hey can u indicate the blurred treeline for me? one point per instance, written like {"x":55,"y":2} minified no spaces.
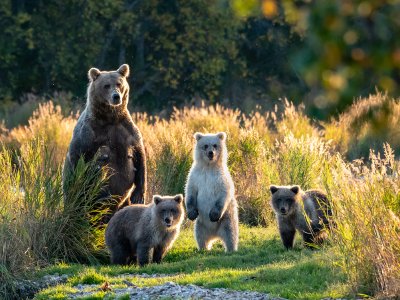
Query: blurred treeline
{"x":236,"y":52}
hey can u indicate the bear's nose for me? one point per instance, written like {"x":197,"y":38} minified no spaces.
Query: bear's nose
{"x":283,"y":210}
{"x":168,"y":221}
{"x":116,"y":98}
{"x":210,"y":154}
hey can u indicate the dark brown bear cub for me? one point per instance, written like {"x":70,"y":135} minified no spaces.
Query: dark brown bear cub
{"x":308,"y":212}
{"x":137,"y":231}
{"x":106,"y":127}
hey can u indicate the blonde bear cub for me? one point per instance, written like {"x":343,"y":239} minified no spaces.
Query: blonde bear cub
{"x":210,"y":194}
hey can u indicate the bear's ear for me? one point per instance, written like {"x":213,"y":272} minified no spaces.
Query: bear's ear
{"x":221,"y":136}
{"x":198,"y":136}
{"x":273,"y":189}
{"x":178,"y":198}
{"x":295,"y":189}
{"x":123,"y":70}
{"x":157,"y":199}
{"x":93,"y":74}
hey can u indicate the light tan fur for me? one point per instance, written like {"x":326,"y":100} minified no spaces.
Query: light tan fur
{"x":210,"y":194}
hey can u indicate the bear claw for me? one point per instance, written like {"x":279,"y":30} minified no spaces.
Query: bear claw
{"x":192,"y":215}
{"x":214,"y":216}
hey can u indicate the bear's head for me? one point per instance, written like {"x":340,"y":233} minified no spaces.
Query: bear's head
{"x":284,"y":199}
{"x":109,"y":88}
{"x":169,"y":210}
{"x":210,"y":148}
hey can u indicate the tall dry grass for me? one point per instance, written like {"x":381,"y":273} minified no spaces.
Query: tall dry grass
{"x":47,"y":124}
{"x":367,"y":229}
{"x":36,"y":227}
{"x":279,"y":147}
{"x":367,"y":124}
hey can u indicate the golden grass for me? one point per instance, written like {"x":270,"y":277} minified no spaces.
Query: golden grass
{"x":367,"y":230}
{"x":279,"y":147}
{"x":368,"y":123}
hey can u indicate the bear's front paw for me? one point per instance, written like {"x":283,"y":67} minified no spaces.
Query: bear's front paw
{"x":215,"y":215}
{"x":192,"y":214}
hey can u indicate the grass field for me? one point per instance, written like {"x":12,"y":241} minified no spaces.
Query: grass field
{"x":281,"y":147}
{"x":261,"y":264}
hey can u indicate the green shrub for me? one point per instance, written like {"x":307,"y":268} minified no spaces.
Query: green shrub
{"x":36,"y":228}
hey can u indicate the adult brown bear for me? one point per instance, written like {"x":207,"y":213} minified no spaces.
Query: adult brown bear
{"x":106,"y":127}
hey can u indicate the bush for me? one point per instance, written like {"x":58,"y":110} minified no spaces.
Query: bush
{"x":36,"y":228}
{"x":367,"y":231}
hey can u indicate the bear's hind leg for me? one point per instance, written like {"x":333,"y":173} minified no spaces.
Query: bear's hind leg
{"x":229,"y":234}
{"x":120,"y":254}
{"x":203,"y":237}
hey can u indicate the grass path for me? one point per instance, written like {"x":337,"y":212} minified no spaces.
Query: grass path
{"x":261,"y":264}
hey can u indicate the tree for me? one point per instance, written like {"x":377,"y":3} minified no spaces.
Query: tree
{"x":350,"y":50}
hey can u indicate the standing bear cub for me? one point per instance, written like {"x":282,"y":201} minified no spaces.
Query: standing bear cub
{"x":307,"y":212}
{"x":106,"y":128}
{"x":138,"y":231}
{"x":210,"y":194}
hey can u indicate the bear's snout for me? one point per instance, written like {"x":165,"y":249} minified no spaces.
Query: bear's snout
{"x":116,"y":99}
{"x":168,"y":222}
{"x":283,"y":210}
{"x":210,"y":155}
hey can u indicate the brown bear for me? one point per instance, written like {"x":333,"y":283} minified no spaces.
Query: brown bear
{"x":136,"y":231}
{"x":308,"y":212}
{"x":210,"y":194}
{"x":106,"y":128}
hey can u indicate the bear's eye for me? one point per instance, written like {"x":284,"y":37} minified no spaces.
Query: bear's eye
{"x":215,"y":146}
{"x":173,"y":211}
{"x":118,"y":85}
{"x":107,"y":86}
{"x":206,"y":147}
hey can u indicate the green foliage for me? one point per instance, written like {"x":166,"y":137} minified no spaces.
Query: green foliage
{"x":178,"y":50}
{"x":349,"y":50}
{"x":189,"y":56}
{"x":245,"y":53}
{"x":89,"y":276}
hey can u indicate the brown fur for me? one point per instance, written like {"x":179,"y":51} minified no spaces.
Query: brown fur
{"x":106,"y":126}
{"x":136,"y":231}
{"x":308,"y":212}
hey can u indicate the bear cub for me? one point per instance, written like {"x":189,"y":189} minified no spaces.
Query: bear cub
{"x":210,"y":194}
{"x":137,"y":232}
{"x":306,"y":211}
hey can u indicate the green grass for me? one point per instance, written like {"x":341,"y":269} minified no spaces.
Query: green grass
{"x":261,"y":264}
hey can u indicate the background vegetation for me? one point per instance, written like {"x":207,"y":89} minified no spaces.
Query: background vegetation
{"x":235,"y":52}
{"x":281,"y":147}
